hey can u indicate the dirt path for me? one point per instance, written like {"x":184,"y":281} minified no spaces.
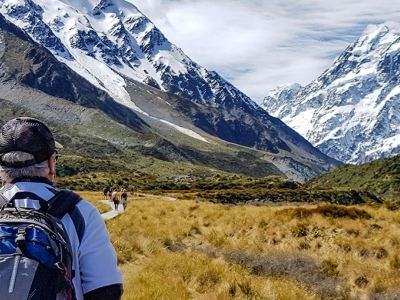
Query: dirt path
{"x":141,"y":196}
{"x":112,"y":213}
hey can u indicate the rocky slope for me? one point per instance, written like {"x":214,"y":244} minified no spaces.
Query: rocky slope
{"x":351,"y":112}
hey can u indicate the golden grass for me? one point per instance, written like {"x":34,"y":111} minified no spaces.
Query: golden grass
{"x":94,"y":198}
{"x":199,"y":250}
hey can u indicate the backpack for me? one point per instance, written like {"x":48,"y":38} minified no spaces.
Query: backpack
{"x":35,"y":252}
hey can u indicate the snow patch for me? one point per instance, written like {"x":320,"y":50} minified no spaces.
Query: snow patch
{"x":186,"y":131}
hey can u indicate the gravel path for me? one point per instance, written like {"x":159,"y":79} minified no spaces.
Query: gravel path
{"x":112,"y":213}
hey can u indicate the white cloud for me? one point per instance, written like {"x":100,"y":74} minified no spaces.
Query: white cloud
{"x":260,"y":44}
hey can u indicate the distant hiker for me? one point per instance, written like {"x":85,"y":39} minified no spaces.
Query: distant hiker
{"x":105,"y":192}
{"x":124,"y":198}
{"x":115,"y":198}
{"x":110,"y":194}
{"x":27,"y":166}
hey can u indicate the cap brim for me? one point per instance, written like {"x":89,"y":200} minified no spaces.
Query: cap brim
{"x":57,"y":145}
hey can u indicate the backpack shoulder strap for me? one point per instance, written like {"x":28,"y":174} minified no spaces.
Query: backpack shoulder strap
{"x":64,"y":202}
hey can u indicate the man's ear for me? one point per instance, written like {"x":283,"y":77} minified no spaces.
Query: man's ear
{"x":52,"y":165}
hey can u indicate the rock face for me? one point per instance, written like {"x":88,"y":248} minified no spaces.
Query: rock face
{"x":98,"y":53}
{"x":351,"y":112}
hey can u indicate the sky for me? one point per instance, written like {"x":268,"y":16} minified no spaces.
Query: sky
{"x":258,"y":45}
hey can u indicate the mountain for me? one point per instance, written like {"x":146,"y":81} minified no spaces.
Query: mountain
{"x":380,"y":177}
{"x":350,"y":112}
{"x":106,"y":55}
{"x":91,"y":124}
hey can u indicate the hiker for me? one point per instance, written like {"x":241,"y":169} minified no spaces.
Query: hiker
{"x":124,"y":198}
{"x":28,"y":155}
{"x":105,"y":192}
{"x":115,"y":198}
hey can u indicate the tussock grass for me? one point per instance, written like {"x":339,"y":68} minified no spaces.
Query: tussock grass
{"x":328,"y":210}
{"x":187,"y":249}
{"x":94,"y":197}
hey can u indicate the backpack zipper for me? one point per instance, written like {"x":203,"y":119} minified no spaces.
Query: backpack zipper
{"x":14,"y":273}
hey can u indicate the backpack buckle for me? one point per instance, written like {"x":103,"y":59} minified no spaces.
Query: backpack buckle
{"x":61,"y":266}
{"x":20,"y":239}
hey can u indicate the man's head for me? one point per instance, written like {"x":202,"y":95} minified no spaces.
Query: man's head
{"x":25,"y":143}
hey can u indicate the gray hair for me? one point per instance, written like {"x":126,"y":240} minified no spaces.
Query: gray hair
{"x":40,"y":169}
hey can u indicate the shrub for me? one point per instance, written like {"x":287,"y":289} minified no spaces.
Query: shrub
{"x":300,"y":230}
{"x":329,"y":267}
{"x":391,"y":205}
{"x":361,"y":281}
{"x":208,"y":280}
{"x":246,"y":289}
{"x":335,"y":211}
{"x":395,"y":262}
{"x":328,"y":210}
{"x":380,"y":253}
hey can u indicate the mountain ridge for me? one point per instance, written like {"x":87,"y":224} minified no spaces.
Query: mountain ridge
{"x":350,"y":111}
{"x":380,"y":177}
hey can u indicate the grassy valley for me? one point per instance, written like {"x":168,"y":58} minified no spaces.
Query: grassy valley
{"x":194,"y":249}
{"x":228,"y":236}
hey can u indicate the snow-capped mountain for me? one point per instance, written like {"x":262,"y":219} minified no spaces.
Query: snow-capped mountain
{"x":351,"y":112}
{"x":109,"y":40}
{"x":113,"y":46}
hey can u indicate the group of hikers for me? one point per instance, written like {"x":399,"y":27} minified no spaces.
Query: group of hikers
{"x":116,"y":196}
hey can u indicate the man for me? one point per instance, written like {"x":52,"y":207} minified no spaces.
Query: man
{"x":124,"y":198}
{"x":105,"y":192}
{"x":28,"y":162}
{"x":115,"y":197}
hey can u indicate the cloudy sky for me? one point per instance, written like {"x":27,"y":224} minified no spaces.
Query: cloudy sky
{"x":260,"y":44}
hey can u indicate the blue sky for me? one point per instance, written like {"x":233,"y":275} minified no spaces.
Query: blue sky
{"x":260,"y":44}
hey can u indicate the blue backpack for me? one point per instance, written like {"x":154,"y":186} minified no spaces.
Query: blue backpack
{"x":35,"y":252}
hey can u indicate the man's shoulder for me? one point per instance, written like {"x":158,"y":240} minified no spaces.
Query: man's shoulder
{"x":86,"y":208}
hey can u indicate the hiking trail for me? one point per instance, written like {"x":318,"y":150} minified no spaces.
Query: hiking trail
{"x":113,"y":213}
